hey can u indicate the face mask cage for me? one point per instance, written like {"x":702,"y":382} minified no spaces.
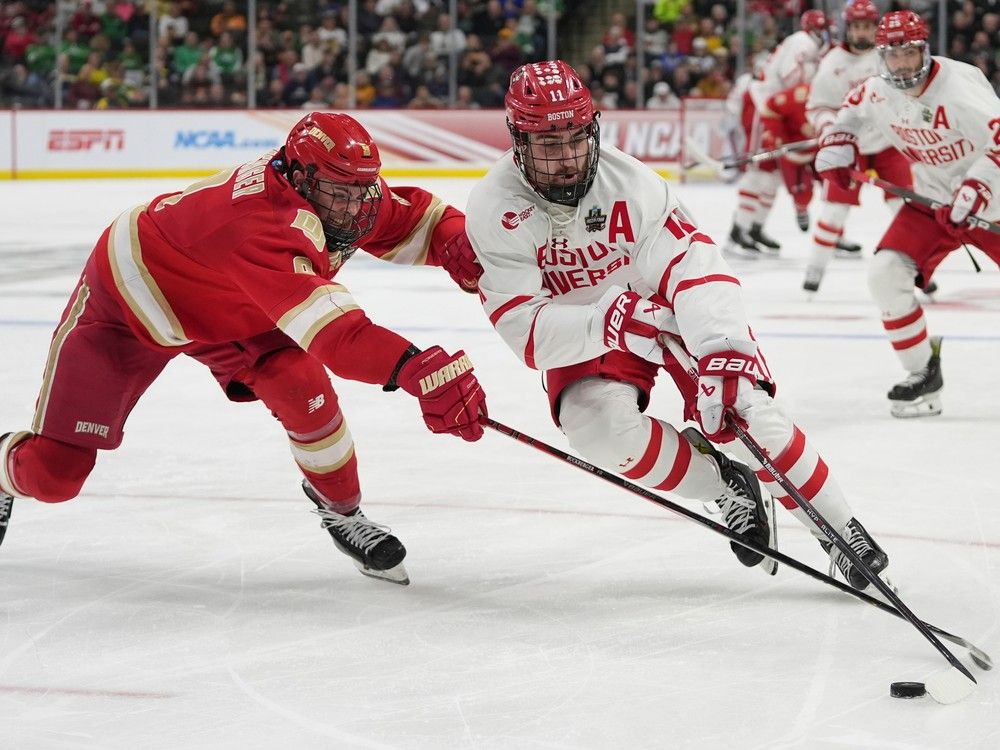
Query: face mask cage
{"x":904,"y":80}
{"x":347,"y":212}
{"x":547,"y":164}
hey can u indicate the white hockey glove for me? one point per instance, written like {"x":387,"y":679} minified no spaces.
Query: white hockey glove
{"x":625,"y":321}
{"x":727,"y":374}
{"x":836,"y":158}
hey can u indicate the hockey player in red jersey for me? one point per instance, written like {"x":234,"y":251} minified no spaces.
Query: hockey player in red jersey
{"x":945,"y":116}
{"x":589,"y":260}
{"x":783,"y":121}
{"x":237,"y":272}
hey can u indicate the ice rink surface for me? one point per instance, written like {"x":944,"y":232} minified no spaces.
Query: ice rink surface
{"x":188,"y":599}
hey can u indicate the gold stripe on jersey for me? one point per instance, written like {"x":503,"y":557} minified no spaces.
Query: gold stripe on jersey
{"x":327,"y":303}
{"x":137,"y":286}
{"x":412,"y":251}
{"x":309,"y":224}
{"x":326,"y":455}
{"x":76,"y":310}
{"x":215,"y":180}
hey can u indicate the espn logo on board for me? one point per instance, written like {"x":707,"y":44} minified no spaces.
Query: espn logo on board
{"x":86,"y":140}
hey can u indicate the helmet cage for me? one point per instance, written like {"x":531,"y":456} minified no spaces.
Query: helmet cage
{"x":542,"y":167}
{"x":900,"y":81}
{"x":332,"y":201}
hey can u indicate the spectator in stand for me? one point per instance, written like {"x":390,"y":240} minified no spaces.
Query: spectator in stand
{"x":226,"y":57}
{"x":445,"y":39}
{"x":84,"y":22}
{"x":422,"y":99}
{"x":663,"y":97}
{"x":341,"y":98}
{"x":330,"y":32}
{"x":656,"y":38}
{"x":228,"y":19}
{"x":317,"y":101}
{"x":668,"y":11}
{"x":22,"y":87}
{"x":464,"y":98}
{"x":488,"y":19}
{"x":173,"y":26}
{"x":83,"y":92}
{"x":313,"y":49}
{"x":297,"y":89}
{"x":18,"y":39}
{"x":390,"y":33}
{"x":413,"y":57}
{"x":388,"y":93}
{"x":505,"y":54}
{"x":380,"y":54}
{"x":364,"y":91}
{"x":188,"y":54}
{"x":369,"y":20}
{"x":616,"y":46}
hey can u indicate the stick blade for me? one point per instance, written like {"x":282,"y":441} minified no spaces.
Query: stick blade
{"x":980,"y":657}
{"x":949,"y":686}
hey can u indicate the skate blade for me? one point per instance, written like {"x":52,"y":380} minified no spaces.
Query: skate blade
{"x":769,"y":566}
{"x":738,"y":251}
{"x":925,"y":406}
{"x":396,"y":575}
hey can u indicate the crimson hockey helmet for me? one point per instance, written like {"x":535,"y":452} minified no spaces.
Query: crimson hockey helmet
{"x":337,"y":165}
{"x":815,"y":22}
{"x":900,"y":30}
{"x":861,"y":10}
{"x":552,"y":122}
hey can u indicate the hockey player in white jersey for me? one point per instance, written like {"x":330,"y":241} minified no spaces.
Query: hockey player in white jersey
{"x":845,"y":66}
{"x":942,"y":114}
{"x":794,"y":61}
{"x":589,"y":260}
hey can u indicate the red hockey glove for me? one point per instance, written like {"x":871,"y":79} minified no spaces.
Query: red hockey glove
{"x":971,"y":197}
{"x":629,"y":323}
{"x":725,"y":376}
{"x":450,"y":396}
{"x":459,"y":260}
{"x":836,"y":158}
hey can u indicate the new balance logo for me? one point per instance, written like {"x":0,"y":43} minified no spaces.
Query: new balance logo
{"x":446,"y":374}
{"x":315,"y":404}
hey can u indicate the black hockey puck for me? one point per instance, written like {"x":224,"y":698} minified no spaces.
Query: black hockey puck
{"x":907,"y":689}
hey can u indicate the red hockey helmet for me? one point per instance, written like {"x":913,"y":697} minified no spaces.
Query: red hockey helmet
{"x":334,"y":164}
{"x":814,"y":22}
{"x":553,"y":124}
{"x":861,"y":10}
{"x":897,"y":31}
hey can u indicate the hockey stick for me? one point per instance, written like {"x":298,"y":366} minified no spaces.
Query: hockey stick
{"x":948,"y":686}
{"x":699,"y":155}
{"x":980,"y":657}
{"x":909,"y":196}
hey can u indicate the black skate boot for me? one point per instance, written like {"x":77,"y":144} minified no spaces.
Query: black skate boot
{"x":375,"y":551}
{"x":864,"y":547}
{"x":740,"y":244}
{"x":742,"y":504}
{"x":758,"y":236}
{"x":814,"y":276}
{"x":920,"y":394}
{"x":929,"y":288}
{"x":802,"y":219}
{"x":6,"y":501}
{"x":847,"y":249}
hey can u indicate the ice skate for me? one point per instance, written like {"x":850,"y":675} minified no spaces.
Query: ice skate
{"x":742,"y":505}
{"x":6,"y":500}
{"x":920,"y":394}
{"x":847,"y":249}
{"x":813,"y":278}
{"x":864,"y":546}
{"x":761,"y":239}
{"x":929,"y":288}
{"x":741,"y":245}
{"x":374,"y":550}
{"x":802,"y":219}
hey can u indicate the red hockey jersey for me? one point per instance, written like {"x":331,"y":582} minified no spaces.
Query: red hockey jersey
{"x":240,"y":252}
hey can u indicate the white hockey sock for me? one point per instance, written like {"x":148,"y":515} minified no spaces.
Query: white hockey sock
{"x":890,"y":279}
{"x":829,"y":229}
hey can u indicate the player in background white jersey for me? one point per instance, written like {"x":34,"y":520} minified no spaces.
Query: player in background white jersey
{"x":944,"y":115}
{"x":794,"y":61}
{"x":589,"y":261}
{"x":841,"y":69}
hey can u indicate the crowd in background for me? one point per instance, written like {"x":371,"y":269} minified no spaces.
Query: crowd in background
{"x":101,"y":58}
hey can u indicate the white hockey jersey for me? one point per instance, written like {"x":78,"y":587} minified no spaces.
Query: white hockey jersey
{"x":544,"y":265}
{"x":839,"y":71}
{"x":952,"y":128}
{"x":794,"y":61}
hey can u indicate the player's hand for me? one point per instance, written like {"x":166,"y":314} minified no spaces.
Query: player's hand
{"x":837,"y":158}
{"x":450,"y":396}
{"x":625,"y":321}
{"x":459,"y":260}
{"x":727,"y":374}
{"x":971,"y":197}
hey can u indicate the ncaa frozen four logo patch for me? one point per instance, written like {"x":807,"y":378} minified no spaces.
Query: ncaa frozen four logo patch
{"x":595,"y":220}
